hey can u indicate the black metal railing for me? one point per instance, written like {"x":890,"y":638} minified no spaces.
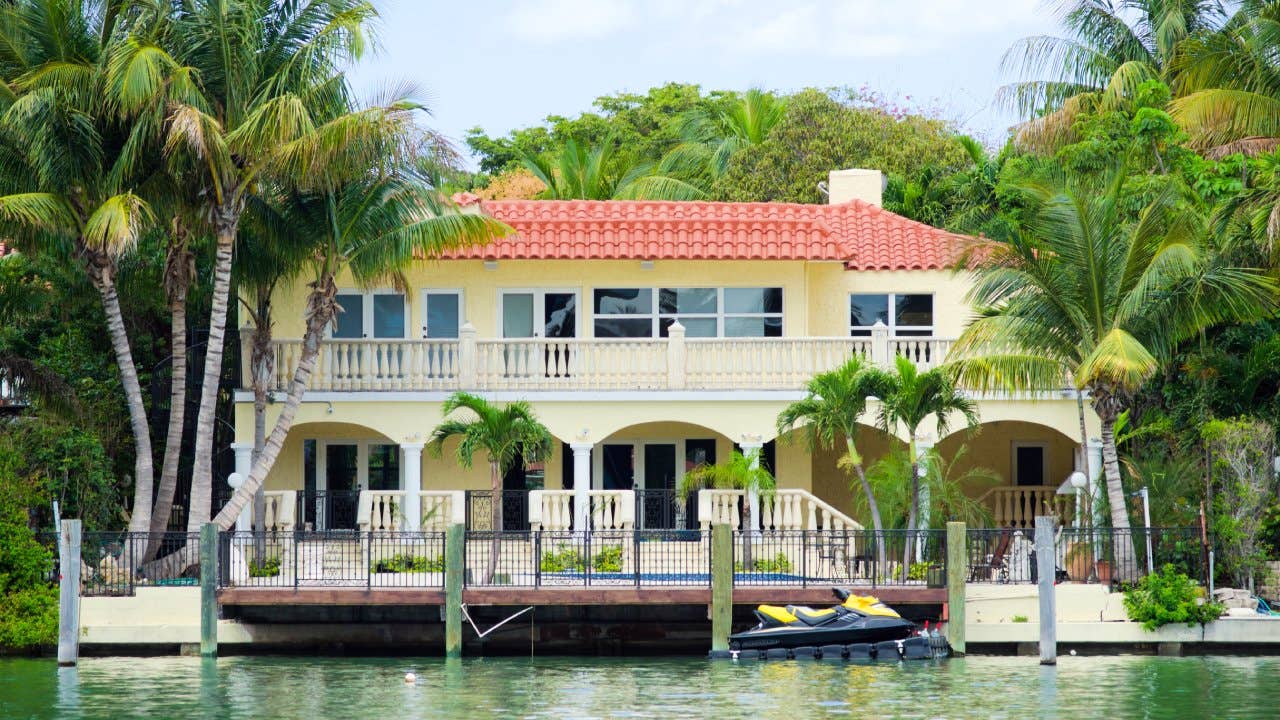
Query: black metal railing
{"x":515,"y":510}
{"x":850,"y":557}
{"x":326,"y":510}
{"x":546,"y":558}
{"x":660,"y":509}
{"x":113,"y":563}
{"x":1103,"y":555}
{"x":332,"y":559}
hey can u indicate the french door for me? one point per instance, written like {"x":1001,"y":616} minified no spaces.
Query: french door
{"x":549,"y":314}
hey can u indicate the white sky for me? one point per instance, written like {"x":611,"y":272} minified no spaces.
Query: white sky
{"x":501,"y":64}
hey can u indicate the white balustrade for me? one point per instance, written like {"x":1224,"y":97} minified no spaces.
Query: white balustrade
{"x":590,"y":364}
{"x":610,"y":509}
{"x":784,"y":509}
{"x":380,"y":510}
{"x":720,"y":507}
{"x":280,"y":510}
{"x":442,"y":508}
{"x":1018,"y":507}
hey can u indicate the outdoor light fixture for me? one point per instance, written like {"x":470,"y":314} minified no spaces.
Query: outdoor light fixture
{"x":490,"y":264}
{"x":646,"y":264}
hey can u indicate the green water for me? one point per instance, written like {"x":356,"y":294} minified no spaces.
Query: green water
{"x":347,"y":688}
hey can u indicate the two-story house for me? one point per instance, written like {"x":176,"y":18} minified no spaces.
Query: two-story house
{"x":649,"y":337}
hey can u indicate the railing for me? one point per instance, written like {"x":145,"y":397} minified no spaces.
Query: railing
{"x":672,"y":363}
{"x":359,"y":559}
{"x":608,"y":509}
{"x":1017,"y":507}
{"x":320,"y":510}
{"x":660,"y":509}
{"x":781,"y":510}
{"x":280,"y":510}
{"x":111,"y":562}
{"x":515,"y":510}
{"x":389,"y":510}
{"x":1102,"y":555}
{"x":849,"y":557}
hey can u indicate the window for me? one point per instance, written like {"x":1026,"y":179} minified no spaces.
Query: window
{"x":441,"y":314}
{"x":703,"y":311}
{"x":904,"y":315}
{"x":374,"y":314}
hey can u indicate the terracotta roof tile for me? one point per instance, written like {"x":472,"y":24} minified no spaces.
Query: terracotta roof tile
{"x":863,"y":236}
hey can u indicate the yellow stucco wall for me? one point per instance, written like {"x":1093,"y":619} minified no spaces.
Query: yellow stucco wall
{"x":831,"y":483}
{"x":991,"y":447}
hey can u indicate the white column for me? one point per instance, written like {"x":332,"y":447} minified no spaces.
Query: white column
{"x":412,"y":485}
{"x":753,"y":450}
{"x":244,"y":466}
{"x":923,"y":446}
{"x":581,"y":484}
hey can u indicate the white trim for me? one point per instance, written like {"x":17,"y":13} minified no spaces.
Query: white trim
{"x":891,"y":320}
{"x":610,"y":396}
{"x":422,"y":308}
{"x":366,"y":318}
{"x":1015,"y":445}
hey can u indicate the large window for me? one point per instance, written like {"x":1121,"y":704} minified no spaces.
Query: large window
{"x":375,"y":314}
{"x":704,"y":312}
{"x":905,"y":315}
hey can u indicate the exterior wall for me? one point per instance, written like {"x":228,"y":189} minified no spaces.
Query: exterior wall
{"x":830,"y":286}
{"x":837,"y":486}
{"x":991,"y":447}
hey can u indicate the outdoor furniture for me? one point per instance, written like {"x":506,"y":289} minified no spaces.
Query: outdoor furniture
{"x":994,"y":566}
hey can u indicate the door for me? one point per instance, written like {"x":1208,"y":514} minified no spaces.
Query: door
{"x":371,"y":315}
{"x":549,"y":314}
{"x":384,"y":467}
{"x":338,"y":491}
{"x":618,"y":467}
{"x":658,"y":506}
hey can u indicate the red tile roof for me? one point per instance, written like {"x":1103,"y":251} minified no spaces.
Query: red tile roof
{"x":5,"y":249}
{"x":863,"y":236}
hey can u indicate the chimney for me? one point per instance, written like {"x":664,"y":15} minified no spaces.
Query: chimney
{"x":855,"y":184}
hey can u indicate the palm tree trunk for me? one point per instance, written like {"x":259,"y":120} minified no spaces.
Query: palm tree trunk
{"x":102,"y":272}
{"x":912,"y":515}
{"x":202,"y":470}
{"x":495,"y":514}
{"x":748,"y":559}
{"x":872,"y":506}
{"x":262,"y":370}
{"x":1126,"y":558}
{"x":1084,"y":459}
{"x":177,"y":411}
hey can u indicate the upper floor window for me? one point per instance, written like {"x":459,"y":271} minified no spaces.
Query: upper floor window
{"x":905,"y":315}
{"x":704,"y":312}
{"x":371,"y":314}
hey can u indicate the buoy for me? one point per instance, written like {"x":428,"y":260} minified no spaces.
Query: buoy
{"x":1073,"y":652}
{"x":410,"y":678}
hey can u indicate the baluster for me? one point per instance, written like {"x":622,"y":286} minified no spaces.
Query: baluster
{"x":813,"y":516}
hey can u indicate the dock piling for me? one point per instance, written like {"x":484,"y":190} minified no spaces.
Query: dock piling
{"x":69,"y":592}
{"x":1046,"y":558}
{"x":957,"y":572}
{"x":209,"y":590}
{"x":455,"y":545}
{"x":721,"y":586}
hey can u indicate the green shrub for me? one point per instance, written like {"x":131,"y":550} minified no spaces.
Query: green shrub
{"x":777,"y":564}
{"x":1019,"y":618}
{"x":402,"y":563}
{"x":269,"y":568}
{"x":28,"y":599}
{"x":1168,"y":597}
{"x":609,"y":559}
{"x":562,"y":559}
{"x":918,"y":571}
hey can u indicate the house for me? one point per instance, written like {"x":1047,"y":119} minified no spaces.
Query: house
{"x":649,"y":337}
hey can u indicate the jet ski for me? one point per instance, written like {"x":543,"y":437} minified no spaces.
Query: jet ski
{"x":857,"y":619}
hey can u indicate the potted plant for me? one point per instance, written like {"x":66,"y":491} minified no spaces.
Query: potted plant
{"x":1102,"y":569}
{"x":1079,"y":560}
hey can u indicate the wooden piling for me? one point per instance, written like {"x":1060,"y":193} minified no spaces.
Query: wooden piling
{"x":957,"y":574}
{"x":1046,"y":557}
{"x":721,"y":586}
{"x":209,"y":590}
{"x":69,"y":592}
{"x":455,"y":553}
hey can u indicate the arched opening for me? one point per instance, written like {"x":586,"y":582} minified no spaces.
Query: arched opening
{"x":826,"y":479}
{"x":1030,"y":461}
{"x":328,"y":464}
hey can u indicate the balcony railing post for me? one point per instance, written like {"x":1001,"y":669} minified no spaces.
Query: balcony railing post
{"x":468,"y":360}
{"x":880,"y":344}
{"x":676,"y":356}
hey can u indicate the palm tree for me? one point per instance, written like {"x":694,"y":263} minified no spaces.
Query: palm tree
{"x":712,"y":135}
{"x":1110,"y":47}
{"x":1228,"y":83}
{"x":265,"y":106}
{"x":64,"y":181}
{"x":370,"y":227}
{"x":505,"y":435}
{"x":830,"y":416}
{"x":739,"y":472}
{"x":1082,"y":291}
{"x":604,"y":173}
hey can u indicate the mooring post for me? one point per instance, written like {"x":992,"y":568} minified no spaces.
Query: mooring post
{"x":1046,"y":557}
{"x":209,"y":590}
{"x":455,"y":553}
{"x":721,"y":585}
{"x":69,"y":592}
{"x":957,"y":573}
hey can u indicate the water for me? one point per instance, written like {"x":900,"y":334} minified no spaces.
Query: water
{"x":347,"y":688}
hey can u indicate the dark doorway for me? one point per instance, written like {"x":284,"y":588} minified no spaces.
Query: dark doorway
{"x":337,"y":504}
{"x":1029,"y":462}
{"x":658,"y":507}
{"x":619,"y":467}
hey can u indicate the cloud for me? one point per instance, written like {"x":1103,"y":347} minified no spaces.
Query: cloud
{"x":551,"y":21}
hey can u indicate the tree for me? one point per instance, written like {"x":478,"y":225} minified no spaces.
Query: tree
{"x":1110,"y":48}
{"x":830,"y":415}
{"x":267,"y":108}
{"x":712,"y":134}
{"x":1082,"y":291}
{"x":908,"y":399}
{"x":64,"y":177}
{"x":506,"y":436}
{"x":739,"y":472}
{"x":603,"y":172}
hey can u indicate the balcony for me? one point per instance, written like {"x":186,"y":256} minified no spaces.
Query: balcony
{"x":550,"y":364}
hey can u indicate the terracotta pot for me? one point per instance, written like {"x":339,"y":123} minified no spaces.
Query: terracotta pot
{"x":1079,"y":561}
{"x":1103,"y":569}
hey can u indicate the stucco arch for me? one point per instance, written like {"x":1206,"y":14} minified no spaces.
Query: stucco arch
{"x":992,"y":445}
{"x":592,"y":422}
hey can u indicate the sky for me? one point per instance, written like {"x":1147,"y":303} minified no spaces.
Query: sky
{"x":503,"y":64}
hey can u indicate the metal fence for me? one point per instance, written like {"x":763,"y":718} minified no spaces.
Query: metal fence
{"x":323,"y":510}
{"x":660,"y":509}
{"x":515,"y":510}
{"x":850,"y":557}
{"x":1102,"y":555}
{"x":113,"y":563}
{"x":332,"y":559}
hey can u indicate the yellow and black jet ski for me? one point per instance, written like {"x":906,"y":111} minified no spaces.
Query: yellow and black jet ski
{"x":857,"y":619}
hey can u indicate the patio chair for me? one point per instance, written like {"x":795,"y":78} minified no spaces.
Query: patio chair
{"x":994,"y":566}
